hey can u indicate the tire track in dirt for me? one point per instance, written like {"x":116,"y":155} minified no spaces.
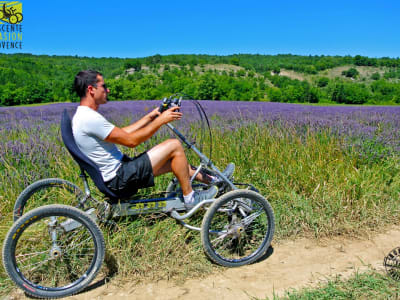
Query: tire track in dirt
{"x":293,"y":264}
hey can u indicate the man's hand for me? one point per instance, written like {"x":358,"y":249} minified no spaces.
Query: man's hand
{"x":154,"y":113}
{"x":170,"y":115}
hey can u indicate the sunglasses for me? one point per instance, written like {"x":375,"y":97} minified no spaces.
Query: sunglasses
{"x":104,"y":86}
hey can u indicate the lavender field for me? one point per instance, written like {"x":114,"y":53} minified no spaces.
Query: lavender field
{"x":326,"y":170}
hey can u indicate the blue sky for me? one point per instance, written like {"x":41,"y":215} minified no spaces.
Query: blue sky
{"x":144,"y":28}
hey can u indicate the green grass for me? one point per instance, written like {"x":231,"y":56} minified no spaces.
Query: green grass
{"x":38,"y":104}
{"x":316,"y":187}
{"x":369,"y":285}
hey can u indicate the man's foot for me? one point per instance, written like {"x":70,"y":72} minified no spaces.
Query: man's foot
{"x":199,"y":196}
{"x":228,"y":172}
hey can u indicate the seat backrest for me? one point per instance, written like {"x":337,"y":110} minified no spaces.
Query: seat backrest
{"x":83,"y":161}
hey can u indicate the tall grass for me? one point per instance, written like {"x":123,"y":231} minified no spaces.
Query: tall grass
{"x":369,"y":285}
{"x":316,"y":184}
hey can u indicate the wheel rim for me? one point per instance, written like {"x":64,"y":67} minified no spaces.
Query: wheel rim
{"x":52,"y":193}
{"x":236,"y":232}
{"x":54,"y":266}
{"x":392,"y":263}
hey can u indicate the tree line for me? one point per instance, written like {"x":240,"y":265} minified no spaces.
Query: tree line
{"x":27,"y":78}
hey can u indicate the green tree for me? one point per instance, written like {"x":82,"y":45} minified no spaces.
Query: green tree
{"x":276,"y":70}
{"x":350,"y":93}
{"x":234,"y":61}
{"x":206,"y":87}
{"x":274,"y":94}
{"x":133,"y":63}
{"x":8,"y":94}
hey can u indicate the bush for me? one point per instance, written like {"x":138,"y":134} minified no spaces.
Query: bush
{"x":323,"y":82}
{"x":352,"y":72}
{"x":375,"y":76}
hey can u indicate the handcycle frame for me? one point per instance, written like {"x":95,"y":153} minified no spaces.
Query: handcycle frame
{"x":170,"y":204}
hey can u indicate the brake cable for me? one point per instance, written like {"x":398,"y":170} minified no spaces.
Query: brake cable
{"x":203,"y":116}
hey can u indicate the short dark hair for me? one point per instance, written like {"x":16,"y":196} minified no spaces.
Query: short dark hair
{"x":83,"y":79}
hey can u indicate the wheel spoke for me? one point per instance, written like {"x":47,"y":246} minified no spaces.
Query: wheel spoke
{"x":249,"y":219}
{"x":55,"y":263}
{"x":246,"y":220}
{"x":38,"y":264}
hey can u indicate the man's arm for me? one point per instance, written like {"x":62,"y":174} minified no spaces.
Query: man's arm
{"x":134,"y":138}
{"x":143,"y":121}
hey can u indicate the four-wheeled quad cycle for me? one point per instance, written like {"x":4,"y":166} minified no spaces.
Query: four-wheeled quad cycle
{"x":56,"y":250}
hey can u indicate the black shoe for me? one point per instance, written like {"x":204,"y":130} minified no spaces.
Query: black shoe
{"x":199,"y":196}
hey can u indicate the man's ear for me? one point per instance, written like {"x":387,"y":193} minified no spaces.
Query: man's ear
{"x":90,"y":89}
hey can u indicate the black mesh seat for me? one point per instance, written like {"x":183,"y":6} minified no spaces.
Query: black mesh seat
{"x":83,"y":161}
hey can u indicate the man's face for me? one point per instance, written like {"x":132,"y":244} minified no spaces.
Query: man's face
{"x":100,"y":91}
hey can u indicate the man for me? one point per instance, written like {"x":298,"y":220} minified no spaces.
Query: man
{"x":96,"y":138}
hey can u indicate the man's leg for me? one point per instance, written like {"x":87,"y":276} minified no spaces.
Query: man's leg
{"x":170,"y":156}
{"x":204,"y":178}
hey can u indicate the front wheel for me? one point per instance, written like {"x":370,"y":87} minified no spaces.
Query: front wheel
{"x":19,"y":17}
{"x":238,"y":228}
{"x":53,"y":251}
{"x":47,"y":191}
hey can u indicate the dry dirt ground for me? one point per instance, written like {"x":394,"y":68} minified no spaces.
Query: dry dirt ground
{"x":290,"y":264}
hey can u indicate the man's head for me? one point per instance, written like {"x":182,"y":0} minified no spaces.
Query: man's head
{"x":83,"y":79}
{"x":90,"y":84}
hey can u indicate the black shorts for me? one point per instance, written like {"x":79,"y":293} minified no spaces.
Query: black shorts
{"x":133,"y":174}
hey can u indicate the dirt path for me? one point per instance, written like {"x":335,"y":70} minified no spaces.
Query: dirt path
{"x":292,"y":264}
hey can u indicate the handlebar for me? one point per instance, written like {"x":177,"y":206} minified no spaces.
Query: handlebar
{"x":173,"y":101}
{"x":170,"y":102}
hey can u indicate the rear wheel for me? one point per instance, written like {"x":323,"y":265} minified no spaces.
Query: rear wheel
{"x":238,"y":228}
{"x":47,"y":191}
{"x":53,"y":251}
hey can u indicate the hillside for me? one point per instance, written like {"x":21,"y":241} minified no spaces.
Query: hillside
{"x":27,"y":78}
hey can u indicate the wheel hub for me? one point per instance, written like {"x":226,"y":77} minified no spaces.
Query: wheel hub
{"x":236,"y":230}
{"x":55,"y":252}
{"x":239,"y":231}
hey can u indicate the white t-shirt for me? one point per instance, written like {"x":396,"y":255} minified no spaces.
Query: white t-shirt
{"x":90,"y":129}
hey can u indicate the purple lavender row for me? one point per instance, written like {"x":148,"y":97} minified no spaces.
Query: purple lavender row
{"x":358,"y":124}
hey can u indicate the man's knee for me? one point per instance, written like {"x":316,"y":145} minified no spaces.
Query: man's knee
{"x":175,"y":145}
